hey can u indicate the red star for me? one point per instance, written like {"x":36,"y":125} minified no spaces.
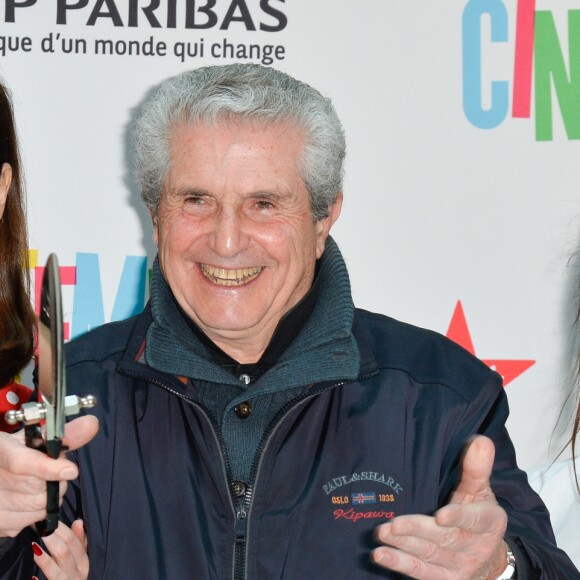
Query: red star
{"x":458,"y":331}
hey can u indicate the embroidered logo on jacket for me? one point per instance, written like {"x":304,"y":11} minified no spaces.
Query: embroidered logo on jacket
{"x":354,"y":492}
{"x":362,"y":498}
{"x":363,"y":476}
{"x":355,"y":515}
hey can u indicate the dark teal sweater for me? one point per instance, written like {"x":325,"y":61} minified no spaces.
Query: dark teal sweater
{"x":324,"y":350}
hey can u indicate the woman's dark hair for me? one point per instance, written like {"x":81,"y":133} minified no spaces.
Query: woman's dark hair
{"x":574,"y":396}
{"x":17,"y":318}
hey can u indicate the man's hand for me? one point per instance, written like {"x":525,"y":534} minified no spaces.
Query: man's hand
{"x":68,"y":558}
{"x":24,"y":473}
{"x":463,"y":540}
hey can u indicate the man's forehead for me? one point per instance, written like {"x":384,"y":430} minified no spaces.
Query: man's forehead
{"x":244,"y":148}
{"x":183,"y":129}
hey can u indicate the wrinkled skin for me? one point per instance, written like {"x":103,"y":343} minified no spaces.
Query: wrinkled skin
{"x":464,"y":539}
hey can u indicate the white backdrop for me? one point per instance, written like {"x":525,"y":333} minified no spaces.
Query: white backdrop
{"x":448,"y":197}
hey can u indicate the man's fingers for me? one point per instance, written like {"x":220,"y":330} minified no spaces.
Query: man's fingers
{"x":411,"y":555}
{"x":410,"y":525}
{"x":419,"y":533}
{"x":394,"y":559}
{"x":476,"y":518}
{"x":421,"y":547}
{"x":80,"y":431}
{"x":451,"y":526}
{"x":476,"y":470}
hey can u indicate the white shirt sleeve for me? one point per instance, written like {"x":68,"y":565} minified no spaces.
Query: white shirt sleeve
{"x":557,"y":488}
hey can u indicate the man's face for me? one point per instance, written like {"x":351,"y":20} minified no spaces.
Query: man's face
{"x":237,"y":241}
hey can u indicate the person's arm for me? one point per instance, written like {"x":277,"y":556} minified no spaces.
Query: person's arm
{"x":465,"y":538}
{"x":529,"y":531}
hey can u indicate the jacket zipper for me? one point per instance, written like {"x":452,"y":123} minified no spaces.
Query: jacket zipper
{"x":275,"y":424}
{"x":239,"y":509}
{"x":241,"y":532}
{"x":242,"y":507}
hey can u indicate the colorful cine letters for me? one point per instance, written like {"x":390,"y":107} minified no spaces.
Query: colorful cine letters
{"x":538,"y":55}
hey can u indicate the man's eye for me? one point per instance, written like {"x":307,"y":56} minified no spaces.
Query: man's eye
{"x":263,"y":204}
{"x":195,"y":200}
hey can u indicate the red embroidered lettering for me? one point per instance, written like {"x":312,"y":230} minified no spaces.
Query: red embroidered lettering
{"x":354,"y":515}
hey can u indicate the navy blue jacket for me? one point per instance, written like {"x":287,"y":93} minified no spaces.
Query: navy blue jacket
{"x":157,"y":497}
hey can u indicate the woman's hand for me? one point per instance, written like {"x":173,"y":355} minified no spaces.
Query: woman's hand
{"x":67,"y":557}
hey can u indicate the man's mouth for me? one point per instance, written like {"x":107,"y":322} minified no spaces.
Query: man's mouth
{"x":223,"y":277}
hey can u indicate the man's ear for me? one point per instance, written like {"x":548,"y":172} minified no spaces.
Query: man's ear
{"x":155,"y":222}
{"x":5,"y":183}
{"x":324,"y":225}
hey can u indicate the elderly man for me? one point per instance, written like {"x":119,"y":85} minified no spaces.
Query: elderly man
{"x":253,"y":423}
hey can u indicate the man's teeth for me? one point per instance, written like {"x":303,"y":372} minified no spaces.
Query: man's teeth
{"x":224,"y":277}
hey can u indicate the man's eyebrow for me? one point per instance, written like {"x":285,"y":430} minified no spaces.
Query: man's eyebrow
{"x":270,"y":195}
{"x":189,"y":192}
{"x":185,"y":191}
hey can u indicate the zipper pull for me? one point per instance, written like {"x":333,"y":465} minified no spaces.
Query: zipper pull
{"x":241,"y":525}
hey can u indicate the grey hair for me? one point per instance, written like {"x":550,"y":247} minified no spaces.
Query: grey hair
{"x":242,"y":92}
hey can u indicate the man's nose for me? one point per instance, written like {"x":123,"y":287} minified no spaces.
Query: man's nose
{"x":229,"y":234}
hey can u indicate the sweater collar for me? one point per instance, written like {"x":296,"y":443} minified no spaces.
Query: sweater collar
{"x":324,"y":348}
{"x":287,"y":330}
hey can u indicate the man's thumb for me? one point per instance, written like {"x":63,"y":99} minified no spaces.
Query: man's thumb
{"x":476,"y":470}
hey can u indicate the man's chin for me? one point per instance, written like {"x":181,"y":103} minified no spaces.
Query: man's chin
{"x":220,"y":323}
